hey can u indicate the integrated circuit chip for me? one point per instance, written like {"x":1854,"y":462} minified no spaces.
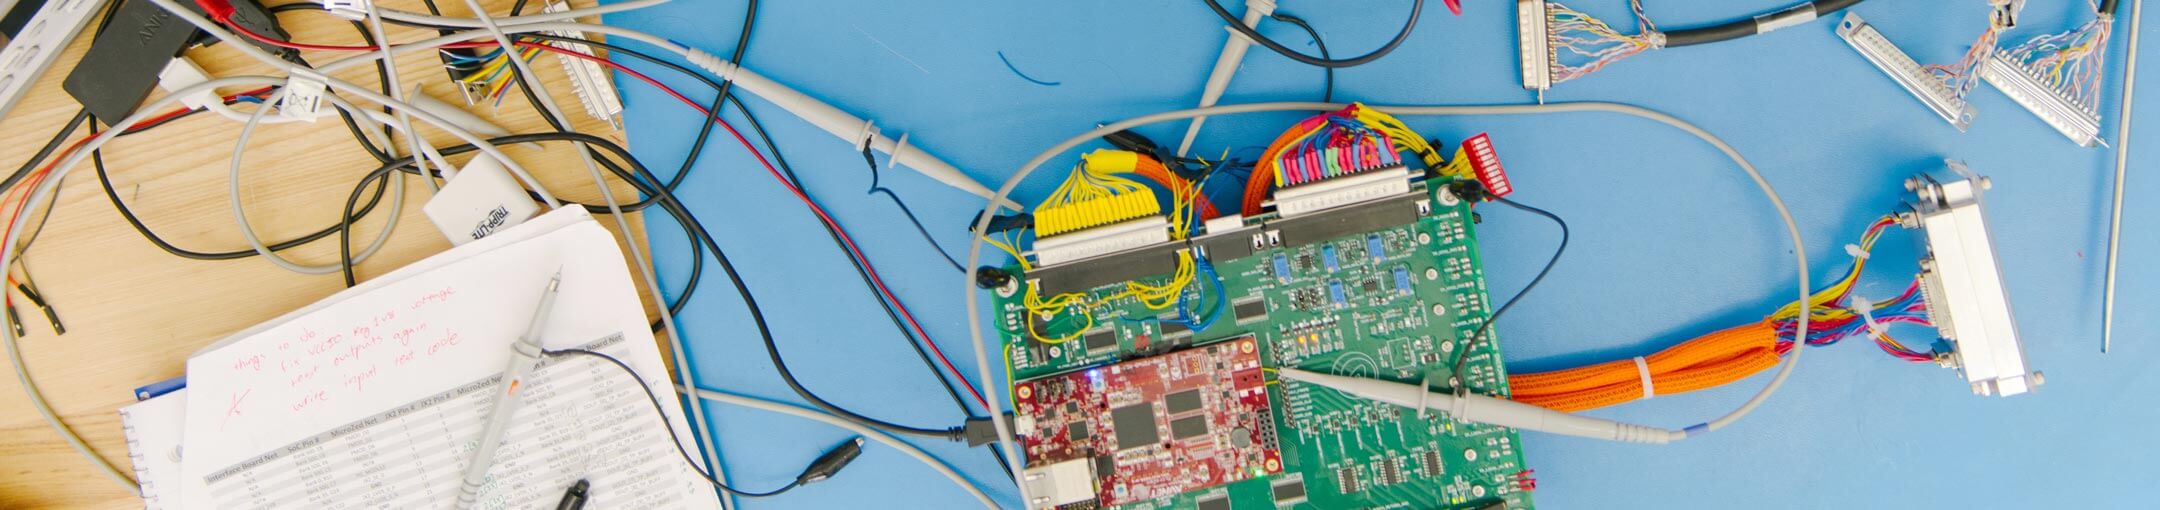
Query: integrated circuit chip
{"x":1099,"y":340}
{"x":1289,"y":490}
{"x":1173,"y":327}
{"x":1134,"y":426}
{"x":1188,"y":427}
{"x":1212,"y":503}
{"x":1250,"y":310}
{"x":1182,"y":402}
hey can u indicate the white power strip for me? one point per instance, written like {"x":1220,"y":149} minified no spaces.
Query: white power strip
{"x":34,"y":50}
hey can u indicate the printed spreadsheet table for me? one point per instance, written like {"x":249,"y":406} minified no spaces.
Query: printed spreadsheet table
{"x":582,"y":418}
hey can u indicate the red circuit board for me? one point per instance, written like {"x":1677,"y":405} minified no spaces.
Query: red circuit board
{"x":1157,"y":426}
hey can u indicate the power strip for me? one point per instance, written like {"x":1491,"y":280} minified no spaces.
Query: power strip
{"x":33,"y":51}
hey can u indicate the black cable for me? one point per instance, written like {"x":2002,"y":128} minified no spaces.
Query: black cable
{"x":97,"y":161}
{"x":1463,"y":383}
{"x":1795,"y":14}
{"x":722,"y":93}
{"x":46,"y":151}
{"x":30,"y":240}
{"x":672,"y":438}
{"x":1416,"y":7}
{"x":780,"y":161}
{"x":128,"y":214}
{"x":2107,"y":7}
{"x":875,"y":188}
{"x":650,"y":183}
{"x":1327,"y":92}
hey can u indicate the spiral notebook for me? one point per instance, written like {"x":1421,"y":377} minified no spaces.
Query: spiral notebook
{"x":374,"y":397}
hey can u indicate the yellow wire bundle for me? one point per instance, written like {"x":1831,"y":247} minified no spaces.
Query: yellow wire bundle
{"x":1096,"y":195}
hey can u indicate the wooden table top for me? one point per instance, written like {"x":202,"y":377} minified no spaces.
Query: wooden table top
{"x":135,"y":313}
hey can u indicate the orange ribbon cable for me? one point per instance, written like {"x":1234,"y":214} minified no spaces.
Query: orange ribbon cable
{"x":1704,"y":362}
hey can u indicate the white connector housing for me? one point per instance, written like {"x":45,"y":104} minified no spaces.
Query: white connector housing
{"x":1115,"y":237}
{"x":1317,"y":196}
{"x":1963,"y":284}
{"x":182,"y":73}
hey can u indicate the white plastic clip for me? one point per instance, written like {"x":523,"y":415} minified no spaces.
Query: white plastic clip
{"x":1642,"y":369}
{"x":303,"y":96}
{"x":349,"y":9}
{"x":1865,"y":309}
{"x":1855,"y":251}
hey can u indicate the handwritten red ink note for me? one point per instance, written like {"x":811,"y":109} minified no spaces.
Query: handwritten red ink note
{"x":435,"y":297}
{"x":309,"y":399}
{"x":358,"y":382}
{"x":233,"y":409}
{"x":448,"y":340}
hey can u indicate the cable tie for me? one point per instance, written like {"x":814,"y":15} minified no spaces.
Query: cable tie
{"x":1642,"y":369}
{"x":1856,"y":252}
{"x":1860,"y":305}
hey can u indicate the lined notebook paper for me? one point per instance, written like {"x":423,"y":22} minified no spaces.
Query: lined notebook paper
{"x":375,"y":397}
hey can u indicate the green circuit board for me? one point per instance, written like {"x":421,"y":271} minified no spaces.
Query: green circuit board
{"x":1391,"y":301}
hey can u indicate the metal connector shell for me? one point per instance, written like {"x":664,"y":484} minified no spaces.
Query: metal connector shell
{"x":1962,"y":278}
{"x":2079,"y":122}
{"x":1057,"y":485}
{"x":1533,"y":31}
{"x":1930,"y":89}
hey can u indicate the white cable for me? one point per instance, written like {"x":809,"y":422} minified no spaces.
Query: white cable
{"x":637,"y":252}
{"x":413,"y":140}
{"x":826,"y":117}
{"x":905,"y":447}
{"x":974,"y":309}
{"x":247,"y":231}
{"x":228,"y":112}
{"x":2122,"y":159}
{"x":523,"y":19}
{"x":245,"y":46}
{"x":43,"y":192}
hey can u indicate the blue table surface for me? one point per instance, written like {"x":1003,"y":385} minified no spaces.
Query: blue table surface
{"x":1670,"y":239}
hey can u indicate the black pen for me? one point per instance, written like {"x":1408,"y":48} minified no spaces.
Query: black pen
{"x":575,"y":498}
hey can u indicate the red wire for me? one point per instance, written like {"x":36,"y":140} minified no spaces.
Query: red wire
{"x":853,"y":251}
